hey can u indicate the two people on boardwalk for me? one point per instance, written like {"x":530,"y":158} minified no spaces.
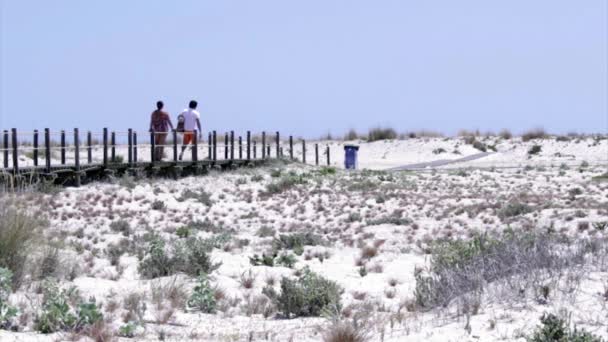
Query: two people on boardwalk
{"x":188,"y":121}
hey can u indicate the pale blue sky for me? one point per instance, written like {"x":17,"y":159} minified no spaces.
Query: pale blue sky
{"x":307,"y":67}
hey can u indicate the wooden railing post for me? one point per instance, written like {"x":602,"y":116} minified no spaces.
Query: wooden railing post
{"x":195,"y":146}
{"x":278,"y":142}
{"x":317,"y":154}
{"x":248,"y":145}
{"x":328,"y":160}
{"x":35,"y":147}
{"x":130,"y":146}
{"x":77,"y":155}
{"x":152,"y":147}
{"x":62,"y":147}
{"x":291,"y":147}
{"x":5,"y":147}
{"x":15,"y":151}
{"x":113,"y":147}
{"x":240,"y":148}
{"x":134,"y":147}
{"x":268,"y":151}
{"x":175,"y":145}
{"x":303,"y":151}
{"x":214,"y":145}
{"x":226,"y":146}
{"x":47,"y":149}
{"x":89,"y":147}
{"x":231,"y":145}
{"x":254,"y":150}
{"x":263,"y":145}
{"x":105,"y":147}
{"x":209,"y":151}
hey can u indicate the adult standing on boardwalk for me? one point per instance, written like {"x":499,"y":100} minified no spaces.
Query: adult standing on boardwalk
{"x":160,"y":122}
{"x":191,"y":120}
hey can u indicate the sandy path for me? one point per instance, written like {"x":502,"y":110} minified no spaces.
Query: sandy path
{"x":441,"y":162}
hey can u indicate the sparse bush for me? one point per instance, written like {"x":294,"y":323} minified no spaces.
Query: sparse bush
{"x":7,"y":312}
{"x":265,"y":231}
{"x":121,"y":226}
{"x":537,"y":133}
{"x":296,"y":242}
{"x":19,"y":235}
{"x":265,"y":260}
{"x":283,"y":184}
{"x":344,"y":332}
{"x":127,"y":330}
{"x":517,"y":260}
{"x":514,"y":209}
{"x":505,"y":134}
{"x":158,"y":205}
{"x":351,"y":135}
{"x":534,"y":150}
{"x":49,"y":263}
{"x":308,"y":295}
{"x":439,"y":150}
{"x":327,"y":170}
{"x":156,"y":262}
{"x":56,"y":315}
{"x":286,"y":259}
{"x":379,"y":133}
{"x":556,"y":329}
{"x":199,"y":195}
{"x":480,"y":146}
{"x":183,"y":232}
{"x":203,"y":298}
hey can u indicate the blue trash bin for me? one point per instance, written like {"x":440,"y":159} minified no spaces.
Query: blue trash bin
{"x":350,"y":157}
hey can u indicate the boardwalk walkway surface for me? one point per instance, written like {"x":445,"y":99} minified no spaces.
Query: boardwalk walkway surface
{"x":437,"y":163}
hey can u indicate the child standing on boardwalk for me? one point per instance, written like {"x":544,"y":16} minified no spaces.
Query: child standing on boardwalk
{"x":160,"y":122}
{"x":191,"y":120}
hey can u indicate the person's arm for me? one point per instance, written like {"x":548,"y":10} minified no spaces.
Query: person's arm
{"x":151,"y":122}
{"x":170,"y":123}
{"x":200,"y":130}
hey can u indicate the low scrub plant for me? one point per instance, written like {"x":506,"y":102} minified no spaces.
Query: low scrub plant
{"x":535,"y":149}
{"x":7,"y":312}
{"x":19,"y":235}
{"x":557,"y":329}
{"x":284,"y":183}
{"x":308,"y":295}
{"x":516,"y":261}
{"x":190,"y":256}
{"x":203,"y":298}
{"x":121,"y":226}
{"x":515,"y":208}
{"x":537,"y":133}
{"x":380,"y":133}
{"x":199,"y":195}
{"x":296,"y":242}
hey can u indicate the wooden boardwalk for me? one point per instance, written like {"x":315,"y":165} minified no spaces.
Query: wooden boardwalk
{"x":64,"y":159}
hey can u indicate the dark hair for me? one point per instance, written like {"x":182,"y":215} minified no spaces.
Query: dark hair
{"x":193,"y":104}
{"x":160,"y":105}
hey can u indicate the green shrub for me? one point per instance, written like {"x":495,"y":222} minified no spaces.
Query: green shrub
{"x":379,"y":133}
{"x":257,"y":178}
{"x":514,"y":209}
{"x":88,"y":314}
{"x":56,"y":315}
{"x":127,"y":330}
{"x":296,"y":242}
{"x":287,"y":260}
{"x":200,"y":196}
{"x":7,"y":312}
{"x":190,"y":256}
{"x":264,"y":260}
{"x":265,"y":231}
{"x":276,"y":173}
{"x":283,"y":184}
{"x":327,"y":170}
{"x":183,"y":232}
{"x":158,"y":205}
{"x":203,"y":298}
{"x":602,"y":177}
{"x":308,"y":295}
{"x":19,"y":235}
{"x":555,"y":329}
{"x":534,"y":150}
{"x":121,"y":226}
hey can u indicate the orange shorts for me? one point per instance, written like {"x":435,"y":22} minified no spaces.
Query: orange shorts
{"x":188,"y":137}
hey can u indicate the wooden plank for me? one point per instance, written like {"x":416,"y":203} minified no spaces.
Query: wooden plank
{"x":47,"y":149}
{"x":130,"y":146}
{"x":278,"y":143}
{"x":195,"y":146}
{"x":105,"y":147}
{"x":62,"y":147}
{"x":231,"y":145}
{"x":263,"y":145}
{"x":134,"y":147}
{"x":35,"y":147}
{"x":77,"y":155}
{"x":5,"y":147}
{"x":113,"y":147}
{"x":89,"y":147}
{"x":248,"y":145}
{"x":15,"y":151}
